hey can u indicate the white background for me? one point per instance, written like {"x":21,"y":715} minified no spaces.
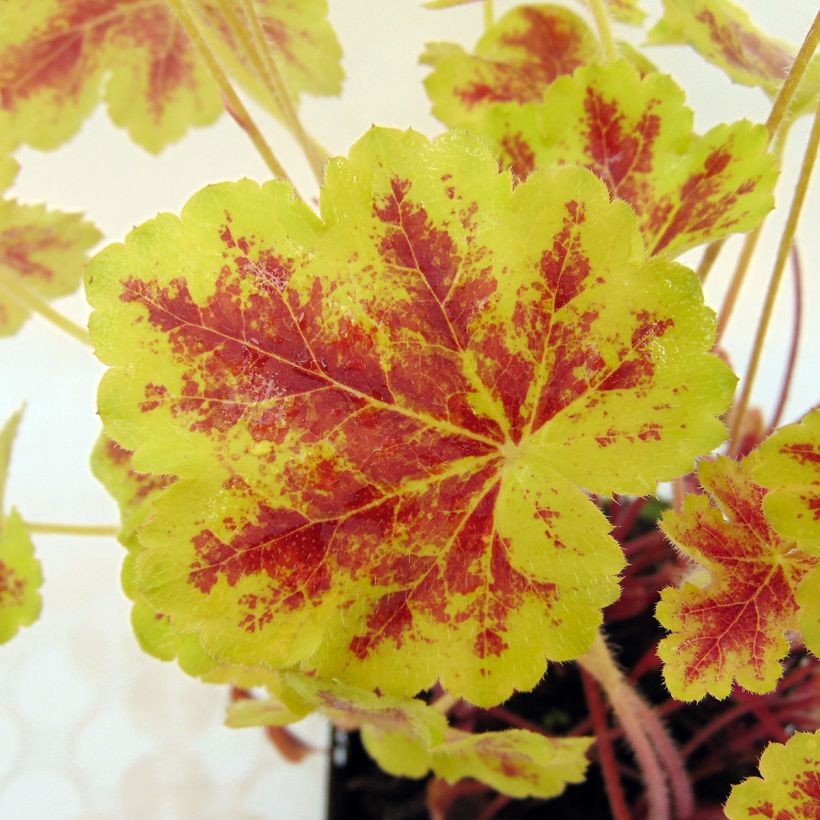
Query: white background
{"x":90,"y":727}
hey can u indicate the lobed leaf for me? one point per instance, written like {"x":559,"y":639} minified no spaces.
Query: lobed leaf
{"x":514,"y":761}
{"x":789,"y":786}
{"x":515,"y":60}
{"x":57,"y":60}
{"x":725,"y":35}
{"x":789,"y":466}
{"x":136,"y":494}
{"x":42,"y":250}
{"x":408,"y":738}
{"x":20,"y":578}
{"x":381,"y":421}
{"x":730,"y":624}
{"x":635,"y":133}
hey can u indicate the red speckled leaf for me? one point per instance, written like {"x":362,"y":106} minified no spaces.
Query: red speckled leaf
{"x":789,"y":784}
{"x":636,"y":134}
{"x":516,"y":60}
{"x":57,"y":60}
{"x":724,"y":34}
{"x":41,"y":251}
{"x":729,"y":621}
{"x":381,"y":420}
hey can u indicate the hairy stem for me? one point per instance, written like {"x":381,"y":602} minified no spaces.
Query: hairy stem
{"x":670,"y":757}
{"x":601,"y":16}
{"x":232,"y":102}
{"x":257,"y":46}
{"x":22,"y":295}
{"x":797,"y":327}
{"x":774,"y":282}
{"x":606,"y":754}
{"x":600,"y":664}
{"x":44,"y":528}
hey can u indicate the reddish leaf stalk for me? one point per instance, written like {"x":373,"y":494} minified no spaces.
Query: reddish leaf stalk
{"x":233,"y":103}
{"x":797,"y":327}
{"x":606,"y":754}
{"x":774,"y":282}
{"x":600,"y":664}
{"x":669,"y":755}
{"x":627,"y":516}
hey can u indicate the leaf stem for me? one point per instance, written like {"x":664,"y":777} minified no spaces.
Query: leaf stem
{"x":606,"y":754}
{"x":601,"y":665}
{"x":746,"y":253}
{"x":257,"y":47}
{"x":601,"y":16}
{"x":708,"y":258}
{"x":45,"y":528}
{"x":234,"y":105}
{"x":797,"y":327}
{"x":774,"y":282}
{"x":798,"y":68}
{"x":20,"y":293}
{"x":488,"y":14}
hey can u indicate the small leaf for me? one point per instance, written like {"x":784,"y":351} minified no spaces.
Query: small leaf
{"x":382,"y":420}
{"x":730,"y":623}
{"x":635,"y":133}
{"x":408,"y":738}
{"x":789,"y":466}
{"x":44,"y":251}
{"x":514,"y":762}
{"x":58,"y":59}
{"x":20,"y":578}
{"x":515,"y":60}
{"x":789,"y":785}
{"x":724,"y":34}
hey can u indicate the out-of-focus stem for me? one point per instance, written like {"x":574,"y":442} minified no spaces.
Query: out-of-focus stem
{"x":44,"y":528}
{"x":488,"y":14}
{"x":601,"y":16}
{"x":256,"y":44}
{"x":21,"y":294}
{"x":797,"y":327}
{"x":233,"y":103}
{"x":774,"y":282}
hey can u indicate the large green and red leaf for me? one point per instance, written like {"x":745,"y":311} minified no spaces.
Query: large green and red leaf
{"x":380,"y":421}
{"x":57,"y":60}
{"x":729,"y":621}
{"x":635,"y":133}
{"x":41,"y":250}
{"x":515,"y":60}
{"x":725,"y":35}
{"x":789,"y":785}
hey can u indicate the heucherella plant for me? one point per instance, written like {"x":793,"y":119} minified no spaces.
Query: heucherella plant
{"x":396,"y":458}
